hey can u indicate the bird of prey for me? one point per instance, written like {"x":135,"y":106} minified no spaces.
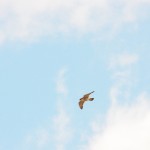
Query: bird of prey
{"x":86,"y":97}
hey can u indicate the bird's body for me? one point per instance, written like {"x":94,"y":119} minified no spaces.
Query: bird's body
{"x":85,"y":98}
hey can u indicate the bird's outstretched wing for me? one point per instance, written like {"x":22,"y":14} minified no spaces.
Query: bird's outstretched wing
{"x":87,"y":95}
{"x":81,"y":102}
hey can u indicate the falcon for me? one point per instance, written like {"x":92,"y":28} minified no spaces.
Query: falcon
{"x":86,"y":97}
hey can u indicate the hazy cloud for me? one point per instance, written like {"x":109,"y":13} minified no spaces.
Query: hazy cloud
{"x":27,"y":20}
{"x":126,"y":125}
{"x":62,"y":128}
{"x":123,"y":60}
{"x":57,"y":132}
{"x":37,"y":140}
{"x":61,"y":121}
{"x":60,"y":82}
{"x":121,"y":65}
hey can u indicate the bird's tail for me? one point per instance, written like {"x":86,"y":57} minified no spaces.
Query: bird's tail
{"x":91,"y":99}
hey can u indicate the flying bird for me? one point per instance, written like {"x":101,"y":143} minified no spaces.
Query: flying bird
{"x":86,"y":97}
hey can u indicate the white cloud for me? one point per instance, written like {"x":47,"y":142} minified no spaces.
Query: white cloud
{"x":61,"y":121}
{"x":28,"y":20}
{"x":122,"y":67}
{"x":38,"y":140}
{"x":123,"y":60}
{"x":126,"y":125}
{"x":60,"y":82}
{"x":59,"y":132}
{"x":42,"y":138}
{"x":61,"y":128}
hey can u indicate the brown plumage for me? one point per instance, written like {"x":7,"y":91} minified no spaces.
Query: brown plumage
{"x":86,"y":97}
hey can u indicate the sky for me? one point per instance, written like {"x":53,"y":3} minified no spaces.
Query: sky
{"x":52,"y":52}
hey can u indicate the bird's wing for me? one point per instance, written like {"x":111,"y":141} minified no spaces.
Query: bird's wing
{"x":86,"y":95}
{"x":81,"y":102}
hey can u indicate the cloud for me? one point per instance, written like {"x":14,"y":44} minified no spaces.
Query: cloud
{"x":27,"y":20}
{"x":123,"y":60}
{"x":122,"y":66}
{"x":62,"y":128}
{"x":42,"y":138}
{"x":57,"y":132}
{"x":125,"y":128}
{"x":60,"y":82}
{"x":39,"y":139}
{"x":61,"y":121}
{"x":126,"y":125}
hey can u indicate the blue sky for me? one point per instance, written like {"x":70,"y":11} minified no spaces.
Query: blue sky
{"x":52,"y":53}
